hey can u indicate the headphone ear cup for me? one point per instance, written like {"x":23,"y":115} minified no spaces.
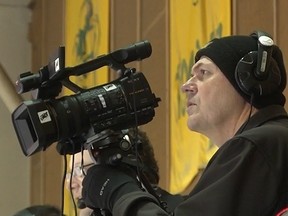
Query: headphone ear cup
{"x":244,"y":73}
{"x":249,"y":83}
{"x":273,"y":81}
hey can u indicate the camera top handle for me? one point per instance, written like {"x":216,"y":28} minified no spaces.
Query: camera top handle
{"x":50,"y":78}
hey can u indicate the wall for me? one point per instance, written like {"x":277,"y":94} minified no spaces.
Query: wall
{"x":135,"y":20}
{"x":15,"y":57}
{"x":270,"y":16}
{"x":46,"y":35}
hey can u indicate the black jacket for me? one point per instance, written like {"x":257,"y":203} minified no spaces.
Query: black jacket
{"x":248,"y":175}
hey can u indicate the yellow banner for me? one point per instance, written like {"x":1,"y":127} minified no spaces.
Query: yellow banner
{"x":192,"y":24}
{"x":86,"y":37}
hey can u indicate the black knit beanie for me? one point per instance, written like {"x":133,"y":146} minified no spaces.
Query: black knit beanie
{"x":226,"y":52}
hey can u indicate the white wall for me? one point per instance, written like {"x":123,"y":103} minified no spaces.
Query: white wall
{"x":15,"y":58}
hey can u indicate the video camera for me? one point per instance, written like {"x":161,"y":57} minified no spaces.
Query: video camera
{"x":123,"y":103}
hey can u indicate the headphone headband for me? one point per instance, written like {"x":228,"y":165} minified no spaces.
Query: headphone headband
{"x":265,"y":46}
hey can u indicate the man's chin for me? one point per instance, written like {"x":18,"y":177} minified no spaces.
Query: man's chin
{"x":192,"y":124}
{"x":194,"y":127}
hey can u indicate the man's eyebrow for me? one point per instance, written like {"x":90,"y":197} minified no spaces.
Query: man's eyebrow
{"x":201,"y":63}
{"x":198,"y":64}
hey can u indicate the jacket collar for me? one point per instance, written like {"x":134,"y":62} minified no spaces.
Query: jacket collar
{"x":262,"y":116}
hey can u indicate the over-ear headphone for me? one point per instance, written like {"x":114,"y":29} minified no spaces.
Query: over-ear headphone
{"x":257,"y":73}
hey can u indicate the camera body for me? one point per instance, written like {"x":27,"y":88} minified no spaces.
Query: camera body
{"x":123,"y":103}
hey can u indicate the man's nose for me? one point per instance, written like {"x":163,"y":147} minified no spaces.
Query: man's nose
{"x":189,"y":86}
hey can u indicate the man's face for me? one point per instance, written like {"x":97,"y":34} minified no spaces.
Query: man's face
{"x":211,"y":100}
{"x":78,"y":176}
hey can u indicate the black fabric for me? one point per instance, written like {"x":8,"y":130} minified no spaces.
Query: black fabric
{"x":226,"y":53}
{"x":246,"y":177}
{"x":171,"y":200}
{"x":103,"y":185}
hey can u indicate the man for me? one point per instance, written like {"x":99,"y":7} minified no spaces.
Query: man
{"x":83,"y":161}
{"x":80,"y":164}
{"x":239,"y":106}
